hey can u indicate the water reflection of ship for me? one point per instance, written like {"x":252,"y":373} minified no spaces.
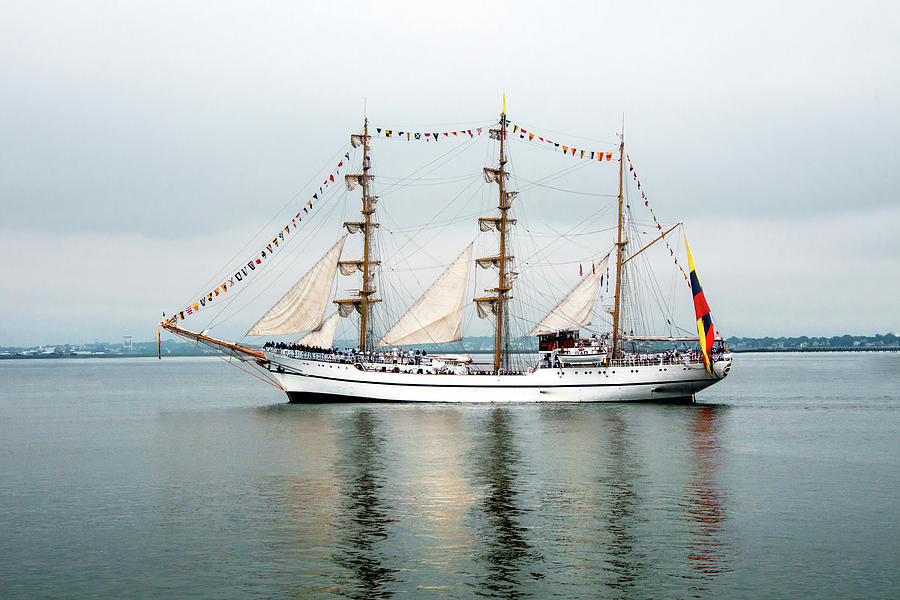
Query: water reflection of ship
{"x":624,"y":563}
{"x":365,"y":516}
{"x":508,"y":554}
{"x":429,"y":457}
{"x":299,"y":501}
{"x":707,"y":551}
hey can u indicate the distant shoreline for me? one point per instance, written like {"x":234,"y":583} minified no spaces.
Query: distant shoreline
{"x":823,"y":349}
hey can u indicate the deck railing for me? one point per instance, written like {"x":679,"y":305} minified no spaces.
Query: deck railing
{"x":650,"y":361}
{"x":377,"y":358}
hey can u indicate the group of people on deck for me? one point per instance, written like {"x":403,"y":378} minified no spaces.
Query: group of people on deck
{"x":347,"y":355}
{"x":668,"y":357}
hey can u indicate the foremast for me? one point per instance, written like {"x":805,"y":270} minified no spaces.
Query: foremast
{"x":496,"y":303}
{"x":365,"y":295}
{"x":620,"y":251}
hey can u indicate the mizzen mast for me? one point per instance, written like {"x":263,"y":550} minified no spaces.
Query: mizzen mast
{"x":362,"y":303}
{"x":496,"y":304}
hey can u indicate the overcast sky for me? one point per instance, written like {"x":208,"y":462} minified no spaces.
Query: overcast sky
{"x":139,"y":141}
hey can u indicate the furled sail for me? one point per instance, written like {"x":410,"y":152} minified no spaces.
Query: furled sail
{"x":356,"y":226}
{"x":491,"y":261}
{"x":486,"y":307}
{"x":349,"y":267}
{"x":324,"y":335}
{"x":354,"y":179}
{"x":508,"y":197}
{"x":437,"y":316}
{"x":575,"y":309}
{"x":493,"y":175}
{"x":346,"y":307}
{"x":489,"y":223}
{"x":303,"y":306}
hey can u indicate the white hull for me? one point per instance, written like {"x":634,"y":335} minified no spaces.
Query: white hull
{"x":320,"y":381}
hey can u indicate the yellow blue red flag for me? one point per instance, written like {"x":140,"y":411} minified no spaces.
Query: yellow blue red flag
{"x":705,"y":329}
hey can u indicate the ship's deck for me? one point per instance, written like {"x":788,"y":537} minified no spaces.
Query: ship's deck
{"x":384,"y":362}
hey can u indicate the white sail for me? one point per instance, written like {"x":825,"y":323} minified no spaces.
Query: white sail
{"x":324,"y":335}
{"x":303,"y":306}
{"x":437,"y":316}
{"x":575,"y":309}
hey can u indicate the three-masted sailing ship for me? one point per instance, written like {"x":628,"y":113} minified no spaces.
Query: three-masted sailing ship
{"x":613,"y":365}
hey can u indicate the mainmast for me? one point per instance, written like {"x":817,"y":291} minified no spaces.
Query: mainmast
{"x":366,"y":266}
{"x":496,"y":304}
{"x":620,"y":250}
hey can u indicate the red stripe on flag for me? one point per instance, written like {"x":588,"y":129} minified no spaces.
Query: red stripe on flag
{"x":710,"y":338}
{"x":701,"y":308}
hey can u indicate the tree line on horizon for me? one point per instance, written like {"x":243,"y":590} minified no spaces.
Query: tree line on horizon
{"x":838,"y":341}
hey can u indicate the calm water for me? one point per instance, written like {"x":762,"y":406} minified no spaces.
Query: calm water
{"x":187,"y":478}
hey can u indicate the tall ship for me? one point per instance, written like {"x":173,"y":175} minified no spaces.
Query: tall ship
{"x":554,"y":337}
